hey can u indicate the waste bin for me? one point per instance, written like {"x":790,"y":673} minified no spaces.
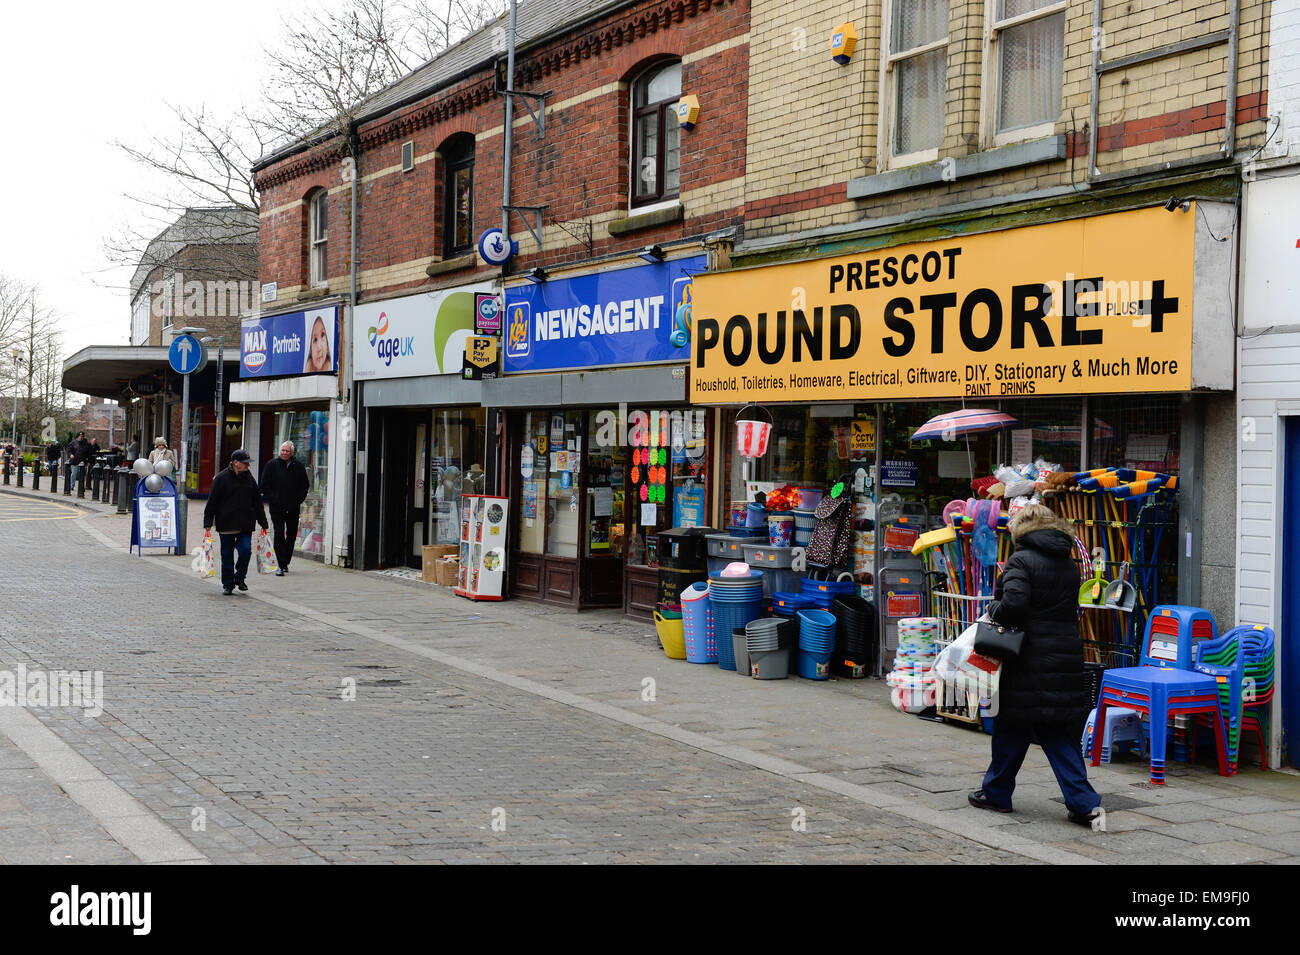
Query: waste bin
{"x":683,"y":560}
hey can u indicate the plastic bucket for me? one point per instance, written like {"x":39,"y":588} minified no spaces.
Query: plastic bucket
{"x":810,"y":497}
{"x":755,"y":515}
{"x":813,"y":666}
{"x":739,"y":511}
{"x":740,"y":651}
{"x":805,"y":522}
{"x":780,"y":530}
{"x":770,"y":664}
{"x":672,"y":636}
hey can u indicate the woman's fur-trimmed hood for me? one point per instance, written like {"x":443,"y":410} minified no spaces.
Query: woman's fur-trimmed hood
{"x":1037,"y":517}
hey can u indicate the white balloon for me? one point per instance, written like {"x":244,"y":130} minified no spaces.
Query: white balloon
{"x":142,"y":467}
{"x":153,"y":483}
{"x":163,"y":467}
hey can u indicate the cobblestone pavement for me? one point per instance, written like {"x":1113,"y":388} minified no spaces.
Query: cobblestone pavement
{"x":233,"y":706}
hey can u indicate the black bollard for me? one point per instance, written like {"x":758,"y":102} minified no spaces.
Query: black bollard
{"x":67,"y":480}
{"x":54,"y":477}
{"x":121,"y":492}
{"x":6,"y":469}
{"x":81,"y":480}
{"x":20,"y":469}
{"x":36,"y":474}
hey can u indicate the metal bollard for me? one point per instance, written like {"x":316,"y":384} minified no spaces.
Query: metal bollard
{"x":20,"y":469}
{"x":36,"y":474}
{"x":120,"y":491}
{"x":6,"y":469}
{"x":67,"y":481}
{"x":54,"y":477}
{"x":101,"y":488}
{"x":96,"y":470}
{"x":81,"y":481}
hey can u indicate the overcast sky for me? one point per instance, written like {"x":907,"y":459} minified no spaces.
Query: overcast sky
{"x":73,"y":79}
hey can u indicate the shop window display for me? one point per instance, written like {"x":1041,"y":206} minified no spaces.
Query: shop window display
{"x":455,"y":455}
{"x":309,"y":432}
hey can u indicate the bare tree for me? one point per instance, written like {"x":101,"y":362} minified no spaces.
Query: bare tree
{"x":323,"y":66}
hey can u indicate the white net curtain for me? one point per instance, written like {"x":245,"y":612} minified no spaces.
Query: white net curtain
{"x":1032,"y":58}
{"x":920,"y":81}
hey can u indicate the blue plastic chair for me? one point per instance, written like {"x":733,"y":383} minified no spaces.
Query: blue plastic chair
{"x":1165,"y":684}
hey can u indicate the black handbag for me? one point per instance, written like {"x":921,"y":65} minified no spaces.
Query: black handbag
{"x":997,"y":641}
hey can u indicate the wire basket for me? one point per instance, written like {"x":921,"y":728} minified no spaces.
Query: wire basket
{"x":956,"y":612}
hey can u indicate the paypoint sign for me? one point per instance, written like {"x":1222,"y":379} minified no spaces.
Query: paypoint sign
{"x":1093,"y":305}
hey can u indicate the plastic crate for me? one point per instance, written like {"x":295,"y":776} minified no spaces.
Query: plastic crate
{"x":724,"y":545}
{"x":760,"y":555}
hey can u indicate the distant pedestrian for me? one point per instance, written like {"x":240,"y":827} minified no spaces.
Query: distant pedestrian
{"x":132,"y":451}
{"x":284,"y":488}
{"x":161,"y":452}
{"x":1041,"y":695}
{"x":78,"y":453}
{"x":234,"y":506}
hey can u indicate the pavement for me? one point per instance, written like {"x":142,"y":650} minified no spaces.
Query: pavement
{"x":335,"y":716}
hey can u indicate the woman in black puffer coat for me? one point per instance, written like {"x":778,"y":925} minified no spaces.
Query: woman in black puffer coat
{"x":1041,"y":697}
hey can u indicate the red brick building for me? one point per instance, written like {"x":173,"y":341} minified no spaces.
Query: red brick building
{"x":627,"y":196}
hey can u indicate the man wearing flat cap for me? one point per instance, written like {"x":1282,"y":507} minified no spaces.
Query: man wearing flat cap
{"x":234,"y":506}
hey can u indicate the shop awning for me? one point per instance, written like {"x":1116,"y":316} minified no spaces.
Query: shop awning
{"x":279,"y":391}
{"x":430,"y":390}
{"x":105,"y":370}
{"x":656,"y":383}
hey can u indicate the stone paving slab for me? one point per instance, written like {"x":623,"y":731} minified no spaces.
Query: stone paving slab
{"x":282,"y":654}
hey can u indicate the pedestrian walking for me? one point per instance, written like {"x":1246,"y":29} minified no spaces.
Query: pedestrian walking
{"x":284,"y":488}
{"x":52,"y":454}
{"x":1041,"y":696}
{"x":161,"y":452}
{"x":78,"y":453}
{"x":234,"y":506}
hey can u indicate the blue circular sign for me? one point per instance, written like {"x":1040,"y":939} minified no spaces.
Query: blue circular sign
{"x":185,"y":354}
{"x":495,"y":247}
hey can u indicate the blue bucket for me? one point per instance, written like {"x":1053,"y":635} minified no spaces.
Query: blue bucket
{"x":824,"y":592}
{"x":813,"y":666}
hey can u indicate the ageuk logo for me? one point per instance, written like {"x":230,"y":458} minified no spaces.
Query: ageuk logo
{"x":389,"y":348}
{"x":519,"y":322}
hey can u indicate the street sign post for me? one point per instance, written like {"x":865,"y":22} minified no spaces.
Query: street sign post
{"x":186,"y":356}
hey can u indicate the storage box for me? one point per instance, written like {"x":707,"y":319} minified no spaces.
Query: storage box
{"x":429,"y":556}
{"x":448,"y":571}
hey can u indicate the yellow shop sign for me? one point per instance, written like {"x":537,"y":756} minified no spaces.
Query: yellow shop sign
{"x":1094,"y":305}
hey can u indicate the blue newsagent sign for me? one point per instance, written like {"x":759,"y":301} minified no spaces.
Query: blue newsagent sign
{"x":299,"y":343}
{"x":633,"y":316}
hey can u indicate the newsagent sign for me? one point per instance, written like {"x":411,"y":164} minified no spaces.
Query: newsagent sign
{"x":1094,"y":305}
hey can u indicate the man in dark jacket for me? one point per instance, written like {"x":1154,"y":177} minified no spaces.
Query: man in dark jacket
{"x":284,"y":488}
{"x":1041,"y":695}
{"x":78,"y":452}
{"x":234,"y":506}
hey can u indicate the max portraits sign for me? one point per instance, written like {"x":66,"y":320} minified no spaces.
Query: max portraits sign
{"x":300,"y":343}
{"x":1093,"y":305}
{"x":416,"y":335}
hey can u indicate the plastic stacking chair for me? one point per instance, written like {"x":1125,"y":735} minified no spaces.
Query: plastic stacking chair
{"x":1242,"y":663}
{"x":1122,"y":726}
{"x":1165,"y":685}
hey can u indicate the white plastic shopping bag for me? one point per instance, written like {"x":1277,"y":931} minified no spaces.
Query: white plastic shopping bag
{"x":207,"y":566}
{"x":266,"y":562}
{"x":953,"y":656}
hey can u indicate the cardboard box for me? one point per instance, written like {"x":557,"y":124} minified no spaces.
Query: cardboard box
{"x":430,"y":555}
{"x":448,"y":571}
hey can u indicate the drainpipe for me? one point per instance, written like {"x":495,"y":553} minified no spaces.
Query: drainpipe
{"x":349,"y":448}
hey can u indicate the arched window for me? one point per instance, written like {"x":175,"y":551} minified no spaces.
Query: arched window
{"x":458,"y":195}
{"x":656,"y":149}
{"x":318,"y":234}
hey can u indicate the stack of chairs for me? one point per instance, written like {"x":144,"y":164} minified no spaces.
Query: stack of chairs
{"x":1242,"y":663}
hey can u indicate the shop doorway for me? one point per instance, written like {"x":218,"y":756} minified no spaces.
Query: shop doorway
{"x":1289,"y":622}
{"x":400,"y":455}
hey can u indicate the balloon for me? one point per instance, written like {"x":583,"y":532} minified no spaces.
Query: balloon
{"x":153,"y":483}
{"x":163,"y":467}
{"x":142,"y":467}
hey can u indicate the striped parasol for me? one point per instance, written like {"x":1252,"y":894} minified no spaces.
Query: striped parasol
{"x":948,"y":427}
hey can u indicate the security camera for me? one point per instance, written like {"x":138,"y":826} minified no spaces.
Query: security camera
{"x":1173,"y":202}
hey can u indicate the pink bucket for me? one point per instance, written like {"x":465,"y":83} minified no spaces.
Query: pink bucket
{"x":751,"y":438}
